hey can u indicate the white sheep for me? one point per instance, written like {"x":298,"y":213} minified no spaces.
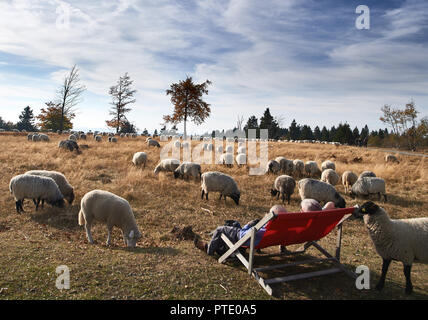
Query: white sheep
{"x":114,"y":211}
{"x":328,"y":165}
{"x":26,"y":186}
{"x":242,"y":149}
{"x":285,"y":186}
{"x":188,"y":169}
{"x":227,"y":159}
{"x":285,"y":165}
{"x":229,"y":149}
{"x":367,"y":186}
{"x":348,"y":179}
{"x":241,"y":159}
{"x":139,"y":158}
{"x":65,"y":187}
{"x":219,"y":149}
{"x":219,"y":182}
{"x":320,"y":191}
{"x":166,"y":165}
{"x":298,"y":168}
{"x":404,"y":240}
{"x":312,"y":170}
{"x":273,"y":166}
{"x":330,"y":176}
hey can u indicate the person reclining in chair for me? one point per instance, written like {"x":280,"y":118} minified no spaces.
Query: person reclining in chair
{"x":233,"y":230}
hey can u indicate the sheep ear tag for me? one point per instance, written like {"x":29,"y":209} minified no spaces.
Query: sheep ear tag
{"x":131,"y":234}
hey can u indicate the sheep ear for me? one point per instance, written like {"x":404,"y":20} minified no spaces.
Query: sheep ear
{"x":131,"y":234}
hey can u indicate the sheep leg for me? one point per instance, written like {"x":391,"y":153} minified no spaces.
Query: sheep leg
{"x":288,"y":198}
{"x":19,"y":206}
{"x":220,"y":197}
{"x":381,"y":282}
{"x":88,"y":232}
{"x":202,"y":194}
{"x":384,"y":196}
{"x":109,"y":229}
{"x":409,"y":286}
{"x":37,"y":203}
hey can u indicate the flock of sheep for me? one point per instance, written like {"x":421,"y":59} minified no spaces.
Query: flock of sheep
{"x":402,"y":240}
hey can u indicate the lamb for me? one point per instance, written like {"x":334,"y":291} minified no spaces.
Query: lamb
{"x":404,"y":240}
{"x":367,"y":186}
{"x":273,"y":166}
{"x":391,"y":158}
{"x":348,"y":179}
{"x":100,"y":205}
{"x":286,"y":165}
{"x":320,"y":191}
{"x":188,"y":169}
{"x":227,"y":159}
{"x":66,"y":189}
{"x":328,"y":165}
{"x":330,"y":176}
{"x":367,"y":174}
{"x":167,"y":165}
{"x":241,"y":159}
{"x":298,"y":168}
{"x":35,"y":187}
{"x":285,"y":186}
{"x":153,"y":143}
{"x":219,"y":182}
{"x":139,"y":158}
{"x":312,"y":170}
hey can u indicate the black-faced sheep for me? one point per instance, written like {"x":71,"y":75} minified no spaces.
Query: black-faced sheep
{"x":219,"y":182}
{"x":285,"y":186}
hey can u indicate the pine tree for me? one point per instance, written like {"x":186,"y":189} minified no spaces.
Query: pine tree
{"x":252,"y":123}
{"x":268,"y":122}
{"x":325,"y":134}
{"x":26,"y":120}
{"x":317,"y":133}
{"x":294,"y":130}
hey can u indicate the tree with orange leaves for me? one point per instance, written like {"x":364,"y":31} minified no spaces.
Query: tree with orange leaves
{"x":52,"y":118}
{"x":186,"y":97}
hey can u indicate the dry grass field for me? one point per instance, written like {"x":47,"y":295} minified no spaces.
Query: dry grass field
{"x":34,"y":243}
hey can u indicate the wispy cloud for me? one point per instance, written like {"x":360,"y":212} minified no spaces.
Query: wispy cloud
{"x":304,"y":59}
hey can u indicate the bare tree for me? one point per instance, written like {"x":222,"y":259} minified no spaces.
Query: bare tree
{"x":69,"y":95}
{"x":239,"y":122}
{"x":122,"y":95}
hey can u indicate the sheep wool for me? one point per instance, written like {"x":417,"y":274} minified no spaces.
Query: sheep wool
{"x":188,"y":169}
{"x":320,"y":191}
{"x":330,"y":176}
{"x":167,"y":165}
{"x":139,"y":158}
{"x":328,"y":165}
{"x":104,"y":206}
{"x":241,"y":159}
{"x":348,"y":179}
{"x":25,"y":186}
{"x":367,"y":186}
{"x":284,"y":185}
{"x":219,"y":182}
{"x":66,"y":189}
{"x":404,"y":240}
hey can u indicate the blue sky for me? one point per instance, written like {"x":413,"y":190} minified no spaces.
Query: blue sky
{"x":305,"y":60}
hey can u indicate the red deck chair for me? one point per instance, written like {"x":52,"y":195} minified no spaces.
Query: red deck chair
{"x":287,"y":228}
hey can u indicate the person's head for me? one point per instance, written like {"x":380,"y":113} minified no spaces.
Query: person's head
{"x":329,"y":205}
{"x":277,"y":209}
{"x":310,"y":205}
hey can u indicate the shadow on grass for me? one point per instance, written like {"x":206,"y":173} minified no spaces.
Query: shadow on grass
{"x":404,"y":202}
{"x":336,"y":286}
{"x":165,"y":251}
{"x":62,"y":219}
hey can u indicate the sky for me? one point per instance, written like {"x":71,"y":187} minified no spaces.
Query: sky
{"x":304,"y":59}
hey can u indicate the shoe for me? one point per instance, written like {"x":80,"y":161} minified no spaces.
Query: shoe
{"x":200,"y":244}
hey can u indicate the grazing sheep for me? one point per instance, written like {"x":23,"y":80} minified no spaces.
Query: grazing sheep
{"x":25,"y":186}
{"x":35,"y":137}
{"x":30,"y":137}
{"x":328,"y":165}
{"x":348,"y":179}
{"x":188,"y":169}
{"x":82,"y":136}
{"x":285,"y":165}
{"x":69,"y":144}
{"x":320,"y":191}
{"x":391,"y":158}
{"x":153,"y":143}
{"x":66,"y":189}
{"x":98,"y":138}
{"x":219,"y":149}
{"x":44,"y":137}
{"x":241,"y":159}
{"x":404,"y":240}
{"x":366,"y":186}
{"x":167,"y":165}
{"x":100,"y":205}
{"x":139,"y":158}
{"x":72,"y":137}
{"x":298,"y":168}
{"x":285,"y":186}
{"x":273,"y":166}
{"x":227,"y":159}
{"x":367,"y":174}
{"x":312,"y":170}
{"x":330,"y":176}
{"x":112,"y":139}
{"x":219,"y":182}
